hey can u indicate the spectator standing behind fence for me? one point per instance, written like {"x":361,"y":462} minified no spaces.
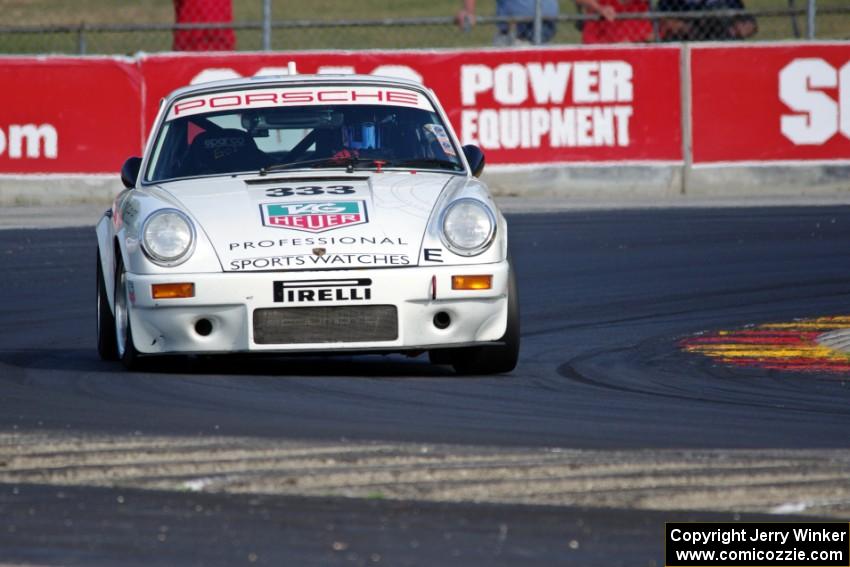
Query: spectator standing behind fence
{"x":607,"y":29}
{"x":709,"y":27}
{"x":204,"y":12}
{"x":523,"y":34}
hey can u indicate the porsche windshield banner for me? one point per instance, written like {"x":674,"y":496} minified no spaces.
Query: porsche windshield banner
{"x":297,"y":96}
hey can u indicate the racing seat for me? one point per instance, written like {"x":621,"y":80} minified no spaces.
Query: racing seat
{"x":226,"y":150}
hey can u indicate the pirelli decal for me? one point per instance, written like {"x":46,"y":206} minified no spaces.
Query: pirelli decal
{"x":318,"y":291}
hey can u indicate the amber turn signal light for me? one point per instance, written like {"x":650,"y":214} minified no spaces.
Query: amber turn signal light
{"x":472,"y":282}
{"x":172,"y":290}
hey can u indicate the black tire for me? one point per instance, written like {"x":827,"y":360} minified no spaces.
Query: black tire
{"x":107,"y":346}
{"x":126,"y":349}
{"x":491,"y":359}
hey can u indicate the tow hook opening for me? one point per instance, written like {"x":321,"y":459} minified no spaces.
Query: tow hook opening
{"x":203,"y":327}
{"x":442,"y":320}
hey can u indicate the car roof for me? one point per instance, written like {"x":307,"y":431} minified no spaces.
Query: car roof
{"x":267,"y":80}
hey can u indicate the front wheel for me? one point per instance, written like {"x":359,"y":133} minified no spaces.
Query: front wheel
{"x":489,"y":359}
{"x":123,"y":333}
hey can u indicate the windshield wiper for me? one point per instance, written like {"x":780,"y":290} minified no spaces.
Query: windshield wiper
{"x":435,"y":163}
{"x":348,"y":162}
{"x":351,"y":161}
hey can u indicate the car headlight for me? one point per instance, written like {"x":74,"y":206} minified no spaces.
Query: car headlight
{"x":168,"y":237}
{"x":468,"y":227}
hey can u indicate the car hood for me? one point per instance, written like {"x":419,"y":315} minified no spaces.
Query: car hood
{"x":309,"y":222}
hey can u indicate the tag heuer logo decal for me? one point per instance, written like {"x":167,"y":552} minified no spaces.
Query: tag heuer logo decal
{"x":314,"y":217}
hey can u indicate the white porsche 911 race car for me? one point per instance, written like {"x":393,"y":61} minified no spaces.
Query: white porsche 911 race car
{"x":306,"y":213}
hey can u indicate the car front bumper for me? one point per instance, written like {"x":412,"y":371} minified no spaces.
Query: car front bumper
{"x":228,"y":302}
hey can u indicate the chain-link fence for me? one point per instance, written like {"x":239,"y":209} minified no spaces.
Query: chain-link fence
{"x":113,"y":27}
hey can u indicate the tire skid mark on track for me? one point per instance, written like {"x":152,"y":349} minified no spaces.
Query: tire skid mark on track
{"x":655,"y":313}
{"x":593,"y":368}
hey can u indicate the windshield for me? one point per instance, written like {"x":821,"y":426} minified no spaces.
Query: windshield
{"x":262,"y":130}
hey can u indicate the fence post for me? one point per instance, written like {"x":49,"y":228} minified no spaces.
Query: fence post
{"x":811,"y":12}
{"x":687,"y":142}
{"x":267,"y":25}
{"x":538,"y":22}
{"x":81,"y":39}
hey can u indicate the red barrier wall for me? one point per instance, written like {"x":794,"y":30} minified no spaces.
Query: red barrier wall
{"x":531,"y":106}
{"x":767,"y":103}
{"x":68,"y":115}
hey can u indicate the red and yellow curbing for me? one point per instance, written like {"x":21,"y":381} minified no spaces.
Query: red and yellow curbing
{"x":794,"y":346}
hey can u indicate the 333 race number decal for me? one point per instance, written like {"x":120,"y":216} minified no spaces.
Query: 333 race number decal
{"x":309,"y":190}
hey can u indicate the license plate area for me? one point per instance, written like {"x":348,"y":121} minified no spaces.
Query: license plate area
{"x":339,"y":324}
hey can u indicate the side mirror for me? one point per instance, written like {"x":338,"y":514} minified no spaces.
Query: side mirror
{"x":130,"y":172}
{"x":475,"y":158}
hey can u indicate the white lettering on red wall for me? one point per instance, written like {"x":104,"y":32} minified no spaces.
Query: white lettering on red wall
{"x":22,"y":141}
{"x":564,"y":104}
{"x":69,"y":114}
{"x":763,"y":103}
{"x":529,"y":106}
{"x":224,"y":73}
{"x":817,"y":117}
{"x":523,"y":106}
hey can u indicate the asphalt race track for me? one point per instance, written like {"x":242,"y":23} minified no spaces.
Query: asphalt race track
{"x":608,"y":297}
